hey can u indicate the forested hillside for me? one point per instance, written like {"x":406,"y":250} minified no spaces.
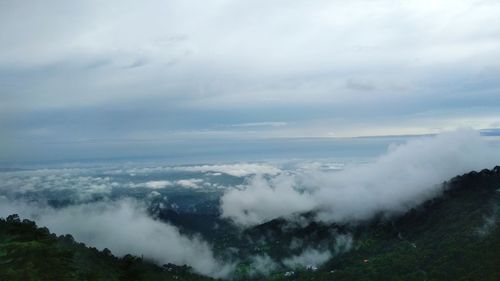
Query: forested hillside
{"x":28,"y":252}
{"x":452,"y":237}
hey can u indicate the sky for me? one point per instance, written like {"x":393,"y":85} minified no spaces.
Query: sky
{"x":84,"y":79}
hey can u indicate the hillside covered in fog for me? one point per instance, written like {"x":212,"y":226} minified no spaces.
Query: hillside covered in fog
{"x":453,"y":236}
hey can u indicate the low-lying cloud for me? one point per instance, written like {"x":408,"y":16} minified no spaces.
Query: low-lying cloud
{"x":262,"y":265}
{"x":311,"y":258}
{"x":405,"y":176}
{"x":236,"y":170}
{"x":187,"y":183}
{"x":123,"y":227}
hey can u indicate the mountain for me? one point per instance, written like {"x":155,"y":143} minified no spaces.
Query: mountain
{"x":28,"y":252}
{"x":454,"y":236}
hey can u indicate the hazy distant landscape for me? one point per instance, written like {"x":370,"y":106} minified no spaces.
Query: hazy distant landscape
{"x":249,"y":140}
{"x":215,"y":218}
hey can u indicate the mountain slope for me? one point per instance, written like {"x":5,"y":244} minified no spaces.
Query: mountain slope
{"x":452,"y":237}
{"x":31,"y":253}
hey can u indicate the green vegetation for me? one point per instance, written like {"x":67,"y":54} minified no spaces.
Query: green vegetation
{"x":31,"y":253}
{"x":453,"y":237}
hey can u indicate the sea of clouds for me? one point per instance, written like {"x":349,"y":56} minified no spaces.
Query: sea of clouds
{"x":405,"y":176}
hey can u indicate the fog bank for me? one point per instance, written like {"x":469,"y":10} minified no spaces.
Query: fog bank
{"x":402,"y":178}
{"x":123,"y":227}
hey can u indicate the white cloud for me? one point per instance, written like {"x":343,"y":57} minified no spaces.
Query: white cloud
{"x":343,"y":243}
{"x":158,"y":184}
{"x":123,"y":227}
{"x":308,"y":258}
{"x":190,"y":183}
{"x":270,"y":69}
{"x":404,"y":177}
{"x":154,"y":194}
{"x":186,"y":183}
{"x":237,"y":170}
{"x":267,"y":52}
{"x":262,"y":200}
{"x":82,"y":185}
{"x":262,"y":264}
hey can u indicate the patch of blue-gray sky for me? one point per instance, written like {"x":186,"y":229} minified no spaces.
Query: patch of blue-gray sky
{"x":103,"y":78}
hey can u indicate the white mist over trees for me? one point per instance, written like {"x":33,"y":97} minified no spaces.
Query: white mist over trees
{"x":124,"y":227}
{"x":405,"y":176}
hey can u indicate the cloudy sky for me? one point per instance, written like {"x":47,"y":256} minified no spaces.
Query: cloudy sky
{"x":91,"y":75}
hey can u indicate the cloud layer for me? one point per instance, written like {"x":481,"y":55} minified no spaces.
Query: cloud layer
{"x":405,"y":176}
{"x":125,"y":72}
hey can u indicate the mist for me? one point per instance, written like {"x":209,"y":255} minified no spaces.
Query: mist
{"x":405,"y":176}
{"x":125,"y":228}
{"x":309,"y":257}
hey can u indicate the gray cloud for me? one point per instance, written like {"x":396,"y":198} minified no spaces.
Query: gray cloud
{"x":162,"y":70}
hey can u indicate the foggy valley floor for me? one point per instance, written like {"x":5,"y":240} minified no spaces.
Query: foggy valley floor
{"x":403,"y":215}
{"x":452,"y":237}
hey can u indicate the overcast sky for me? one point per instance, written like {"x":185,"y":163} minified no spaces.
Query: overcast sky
{"x":115,"y":72}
